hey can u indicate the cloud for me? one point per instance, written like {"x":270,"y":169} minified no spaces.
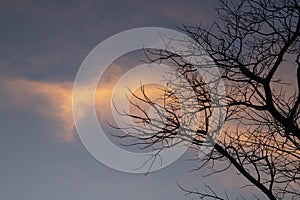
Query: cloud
{"x":51,"y":100}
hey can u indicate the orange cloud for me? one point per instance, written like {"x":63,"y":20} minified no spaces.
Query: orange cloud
{"x":51,"y":100}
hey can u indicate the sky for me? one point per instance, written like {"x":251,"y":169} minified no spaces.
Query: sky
{"x":42,"y":45}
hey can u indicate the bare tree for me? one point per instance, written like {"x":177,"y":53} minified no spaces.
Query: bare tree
{"x":251,"y":43}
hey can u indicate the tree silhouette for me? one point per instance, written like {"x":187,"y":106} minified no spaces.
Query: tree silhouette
{"x":252,"y":43}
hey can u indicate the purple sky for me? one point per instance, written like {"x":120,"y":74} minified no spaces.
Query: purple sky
{"x":42,"y":45}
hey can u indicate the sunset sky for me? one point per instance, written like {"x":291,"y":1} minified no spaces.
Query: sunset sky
{"x":42,"y":45}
